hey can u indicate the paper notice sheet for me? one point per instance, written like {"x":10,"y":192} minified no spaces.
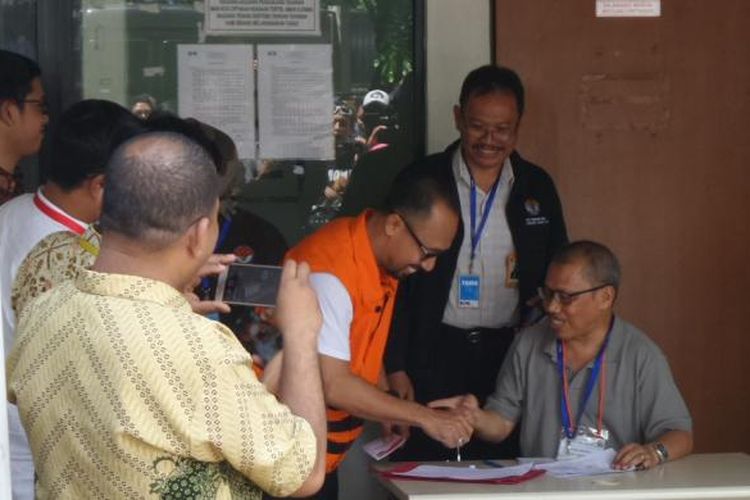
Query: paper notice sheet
{"x":215,"y":85}
{"x":295,"y":101}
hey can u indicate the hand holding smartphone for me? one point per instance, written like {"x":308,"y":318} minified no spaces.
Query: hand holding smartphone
{"x":249,"y":285}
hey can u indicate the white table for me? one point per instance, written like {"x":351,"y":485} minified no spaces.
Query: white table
{"x":702,"y":476}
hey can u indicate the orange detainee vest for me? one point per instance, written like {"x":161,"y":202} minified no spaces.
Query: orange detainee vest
{"x":343,"y":248}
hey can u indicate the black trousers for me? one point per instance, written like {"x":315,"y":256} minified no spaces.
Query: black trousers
{"x":464,"y":361}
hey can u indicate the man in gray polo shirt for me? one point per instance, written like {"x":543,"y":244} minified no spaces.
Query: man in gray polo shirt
{"x":616,"y":391}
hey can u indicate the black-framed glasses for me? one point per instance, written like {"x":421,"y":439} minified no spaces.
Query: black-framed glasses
{"x":43,"y":106}
{"x":427,"y":252}
{"x":566,"y":298}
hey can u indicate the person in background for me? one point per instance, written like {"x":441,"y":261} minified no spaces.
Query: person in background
{"x":584,"y":379}
{"x":23,"y":117}
{"x":373,"y":120}
{"x":252,"y":240}
{"x":61,"y":255}
{"x":144,"y":106}
{"x":144,"y":397}
{"x":452,"y":327}
{"x":69,"y":201}
{"x":371,"y":179}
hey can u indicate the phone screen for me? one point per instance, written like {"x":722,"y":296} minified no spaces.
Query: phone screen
{"x":248,"y":284}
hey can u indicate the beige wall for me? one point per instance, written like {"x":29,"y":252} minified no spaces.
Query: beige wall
{"x":645,"y":125}
{"x":458,"y":40}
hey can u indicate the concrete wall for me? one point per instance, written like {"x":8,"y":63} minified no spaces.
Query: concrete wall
{"x":459,"y":38}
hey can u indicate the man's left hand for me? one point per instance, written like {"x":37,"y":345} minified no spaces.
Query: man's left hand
{"x":638,"y":456}
{"x":213,"y":266}
{"x":216,"y":264}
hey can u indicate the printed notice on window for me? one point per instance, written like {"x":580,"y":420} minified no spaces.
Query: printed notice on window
{"x":215,"y":85}
{"x":262,"y":17}
{"x":295,"y":101}
{"x":628,"y":8}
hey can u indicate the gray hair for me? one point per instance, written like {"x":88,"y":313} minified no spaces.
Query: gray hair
{"x":600,"y":264}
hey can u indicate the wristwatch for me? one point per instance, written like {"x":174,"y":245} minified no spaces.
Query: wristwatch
{"x":661,"y":452}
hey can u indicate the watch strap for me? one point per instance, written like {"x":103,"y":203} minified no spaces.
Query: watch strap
{"x":661,"y":452}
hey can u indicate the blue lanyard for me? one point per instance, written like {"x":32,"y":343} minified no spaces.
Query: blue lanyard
{"x":476,"y":233}
{"x":568,"y":426}
{"x":223,"y":233}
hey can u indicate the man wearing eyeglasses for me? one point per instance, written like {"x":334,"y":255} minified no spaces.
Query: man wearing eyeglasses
{"x":453,"y":327}
{"x":356,"y":263}
{"x":23,"y":117}
{"x":23,"y":122}
{"x":584,"y":379}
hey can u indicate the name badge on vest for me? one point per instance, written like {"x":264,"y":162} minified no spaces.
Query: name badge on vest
{"x":468,"y":291}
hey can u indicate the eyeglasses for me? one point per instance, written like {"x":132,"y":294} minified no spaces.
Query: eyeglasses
{"x":566,"y":298}
{"x":503,"y":132}
{"x":42,"y":104}
{"x":427,"y":253}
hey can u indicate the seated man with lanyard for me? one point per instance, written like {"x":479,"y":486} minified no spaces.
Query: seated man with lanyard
{"x":584,"y":379}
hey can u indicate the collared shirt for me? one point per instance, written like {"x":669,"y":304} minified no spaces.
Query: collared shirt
{"x":498,"y":302}
{"x":642,"y":401}
{"x":56,"y":258}
{"x":22,"y":225}
{"x":126,"y":393}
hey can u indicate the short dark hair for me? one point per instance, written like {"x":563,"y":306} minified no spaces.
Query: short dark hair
{"x":84,"y":138}
{"x":164,"y":121}
{"x":601,"y":266}
{"x":493,"y":78}
{"x":16,"y":74}
{"x":158,"y":184}
{"x":415,"y":191}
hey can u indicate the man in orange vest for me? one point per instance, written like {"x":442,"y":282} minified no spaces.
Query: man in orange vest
{"x":356,"y":263}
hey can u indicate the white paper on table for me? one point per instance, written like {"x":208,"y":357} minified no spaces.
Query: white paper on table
{"x":598,"y":462}
{"x":383,"y":446}
{"x":466,"y":473}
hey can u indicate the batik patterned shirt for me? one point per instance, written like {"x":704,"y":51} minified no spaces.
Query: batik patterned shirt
{"x":56,"y":258}
{"x":126,"y":393}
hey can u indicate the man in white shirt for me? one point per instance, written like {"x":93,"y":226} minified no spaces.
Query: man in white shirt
{"x":452,"y":327}
{"x":86,"y":134}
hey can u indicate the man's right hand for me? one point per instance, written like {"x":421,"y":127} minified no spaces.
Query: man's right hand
{"x":297,"y":312}
{"x":451,"y":427}
{"x":488,"y":425}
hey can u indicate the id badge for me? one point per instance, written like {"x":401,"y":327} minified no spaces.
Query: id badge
{"x":586,"y":440}
{"x":468,"y":291}
{"x":511,"y":270}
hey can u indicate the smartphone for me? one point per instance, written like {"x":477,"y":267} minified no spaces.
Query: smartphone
{"x":249,"y":285}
